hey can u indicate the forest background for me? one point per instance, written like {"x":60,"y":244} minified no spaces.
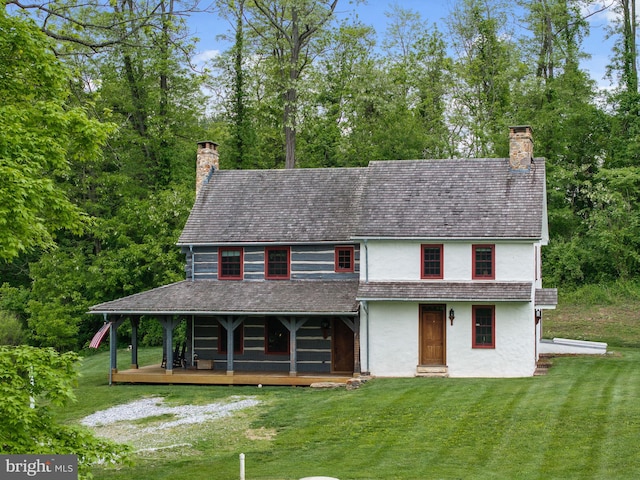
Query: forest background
{"x":101,"y":106}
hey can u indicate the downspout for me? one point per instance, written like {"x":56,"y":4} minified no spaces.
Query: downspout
{"x":364,"y":303}
{"x":193,"y":263}
{"x":366,"y":312}
{"x":366,"y":261}
{"x":193,"y":341}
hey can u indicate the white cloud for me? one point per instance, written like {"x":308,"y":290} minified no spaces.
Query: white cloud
{"x":204,"y":56}
{"x":599,"y":12}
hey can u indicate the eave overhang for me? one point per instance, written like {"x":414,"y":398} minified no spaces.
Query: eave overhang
{"x":445,"y":291}
{"x":212,"y":297}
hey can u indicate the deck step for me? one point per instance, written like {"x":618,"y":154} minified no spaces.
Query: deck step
{"x":543,"y":365}
{"x":437,"y":371}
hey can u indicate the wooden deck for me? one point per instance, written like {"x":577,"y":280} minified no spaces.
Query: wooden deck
{"x":157,"y":374}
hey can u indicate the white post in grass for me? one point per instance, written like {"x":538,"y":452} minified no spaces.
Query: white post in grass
{"x":242,"y":466}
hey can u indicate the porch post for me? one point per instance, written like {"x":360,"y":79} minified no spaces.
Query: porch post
{"x":113,"y":348}
{"x":168,"y":333}
{"x":356,"y":346}
{"x":135,"y":321}
{"x":230,"y":325}
{"x":168,"y":324}
{"x":230,"y":342}
{"x":113,"y":345}
{"x":293,"y":326}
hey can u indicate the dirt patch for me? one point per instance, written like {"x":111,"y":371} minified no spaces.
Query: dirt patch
{"x":260,"y":433}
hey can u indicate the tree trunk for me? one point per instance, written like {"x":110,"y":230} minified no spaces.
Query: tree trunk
{"x":290,"y":128}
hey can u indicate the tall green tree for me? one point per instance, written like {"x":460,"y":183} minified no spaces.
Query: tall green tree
{"x":418,"y":63}
{"x":486,"y":67}
{"x":42,"y":136}
{"x":293,"y":32}
{"x":236,"y":76}
{"x":571,"y":131}
{"x":33,"y":379}
{"x":623,"y":70}
{"x":137,"y":194}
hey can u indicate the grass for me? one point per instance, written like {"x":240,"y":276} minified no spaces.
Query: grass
{"x":581,"y":421}
{"x":603,"y":313}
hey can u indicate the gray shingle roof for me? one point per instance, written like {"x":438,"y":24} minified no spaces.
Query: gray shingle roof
{"x":546,"y":296}
{"x":473,"y":198}
{"x":218,"y":297}
{"x":446,"y":291}
{"x":298,"y":205}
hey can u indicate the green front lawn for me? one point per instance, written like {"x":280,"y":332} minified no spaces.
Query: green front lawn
{"x":580,"y":421}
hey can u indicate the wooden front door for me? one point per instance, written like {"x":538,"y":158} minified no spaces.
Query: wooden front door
{"x":432,"y":329}
{"x":342,"y":347}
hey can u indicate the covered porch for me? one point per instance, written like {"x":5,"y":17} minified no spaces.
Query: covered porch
{"x":159,"y":375}
{"x":317,"y":325}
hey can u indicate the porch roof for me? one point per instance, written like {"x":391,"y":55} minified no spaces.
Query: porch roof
{"x":546,"y":297}
{"x":446,"y":291}
{"x":212,"y":297}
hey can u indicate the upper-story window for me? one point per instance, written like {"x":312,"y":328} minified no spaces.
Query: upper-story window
{"x":432,"y":261}
{"x":230,"y":263}
{"x":484,"y":262}
{"x":277,"y":261}
{"x":484,"y":326}
{"x":344,"y":259}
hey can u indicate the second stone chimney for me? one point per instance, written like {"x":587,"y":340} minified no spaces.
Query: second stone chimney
{"x":520,"y":148}
{"x":207,"y":161}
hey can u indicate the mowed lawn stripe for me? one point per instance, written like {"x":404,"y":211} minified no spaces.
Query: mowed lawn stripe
{"x":575,"y":447}
{"x":621,"y":440}
{"x":520,"y":447}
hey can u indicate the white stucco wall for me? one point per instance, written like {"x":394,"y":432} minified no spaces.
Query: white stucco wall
{"x":515,"y":343}
{"x":392,"y":339}
{"x":391,"y":346}
{"x":389,"y":260}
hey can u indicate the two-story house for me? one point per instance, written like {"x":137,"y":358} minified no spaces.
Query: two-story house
{"x":400,"y":269}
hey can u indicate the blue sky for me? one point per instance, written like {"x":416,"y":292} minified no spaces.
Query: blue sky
{"x":208,"y":26}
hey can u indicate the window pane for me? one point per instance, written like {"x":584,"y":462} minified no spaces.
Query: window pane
{"x":230,"y":264}
{"x":483,"y":326}
{"x":484,"y":262}
{"x":277,"y":263}
{"x":344,"y":259}
{"x":431,"y":259}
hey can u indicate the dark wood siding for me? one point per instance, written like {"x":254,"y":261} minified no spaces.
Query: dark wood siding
{"x":314,"y":351}
{"x":308,"y":262}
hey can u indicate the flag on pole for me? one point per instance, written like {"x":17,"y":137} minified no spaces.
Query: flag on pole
{"x":99,"y":336}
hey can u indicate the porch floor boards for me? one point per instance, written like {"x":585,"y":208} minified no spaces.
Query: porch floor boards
{"x":157,"y":374}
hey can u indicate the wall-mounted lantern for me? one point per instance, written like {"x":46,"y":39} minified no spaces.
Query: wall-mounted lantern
{"x":452,"y":315}
{"x":325,"y":328}
{"x":538,"y":315}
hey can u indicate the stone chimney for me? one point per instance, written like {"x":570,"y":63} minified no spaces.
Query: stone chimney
{"x":520,"y":148}
{"x":207,"y":161}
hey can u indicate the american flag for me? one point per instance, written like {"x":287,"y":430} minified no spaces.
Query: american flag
{"x":97,"y":338}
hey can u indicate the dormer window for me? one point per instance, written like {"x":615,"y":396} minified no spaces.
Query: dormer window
{"x":484,"y":261}
{"x":277,"y":260}
{"x":344,"y":259}
{"x":230,"y":263}
{"x":432,"y":267}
